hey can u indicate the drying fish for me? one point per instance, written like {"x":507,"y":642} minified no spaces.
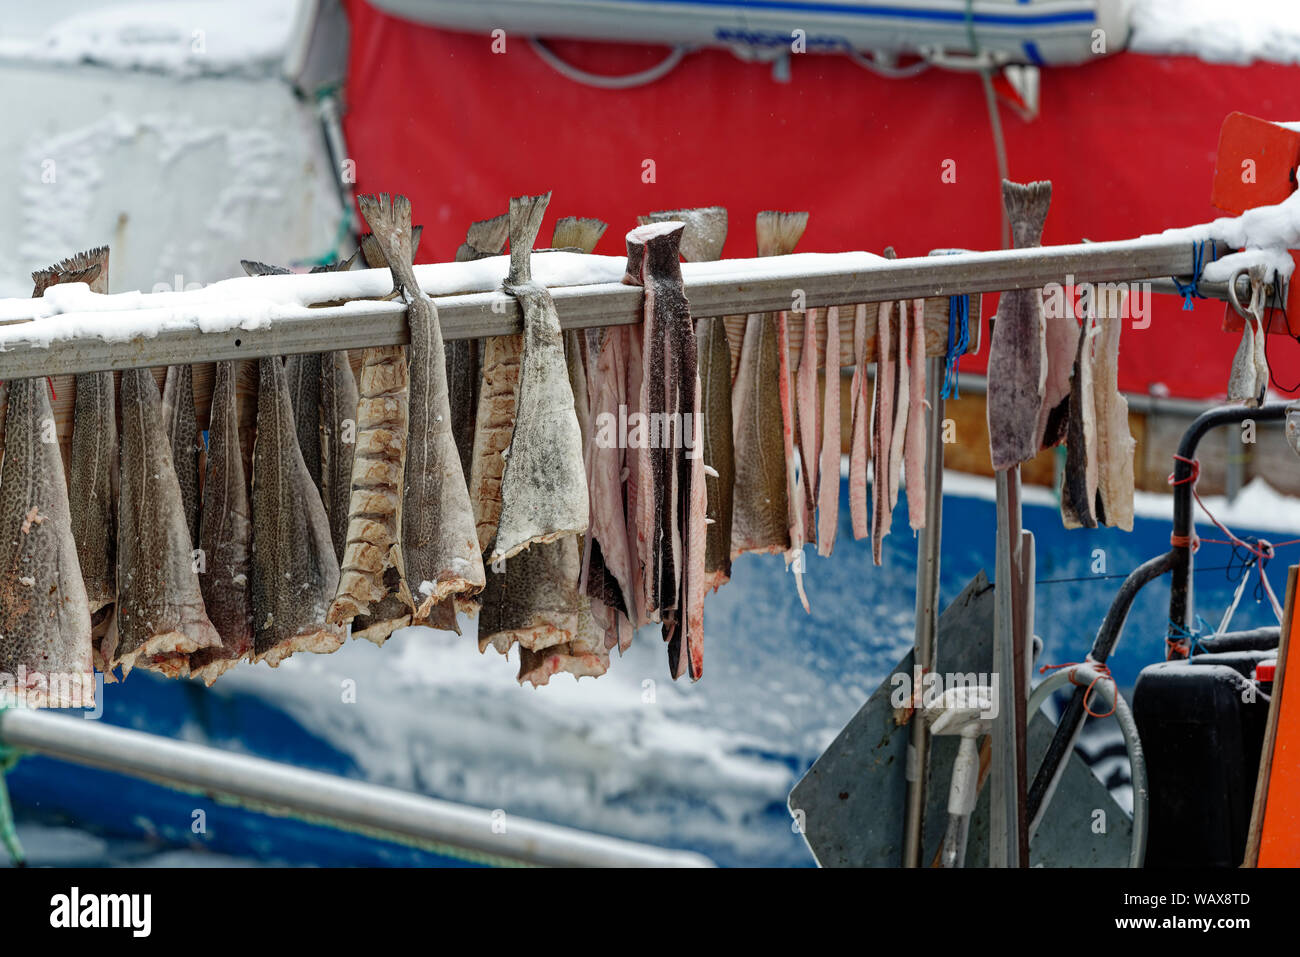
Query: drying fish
{"x":45,"y":629}
{"x":1115,"y":446}
{"x":702,"y":240}
{"x":181,"y":423}
{"x":464,"y":370}
{"x":295,"y":573}
{"x":1060,"y":337}
{"x":861,"y":444}
{"x":338,"y":415}
{"x":1079,"y":488}
{"x":532,"y":598}
{"x":902,"y":403}
{"x":828,"y":473}
{"x":93,"y":466}
{"x":440,"y":553}
{"x":762,"y":503}
{"x":543,"y":488}
{"x":161,"y":617}
{"x":1248,"y":381}
{"x":1018,"y":359}
{"x":582,"y":656}
{"x":581,"y":234}
{"x":914,"y":441}
{"x":806,"y":398}
{"x":225,"y":536}
{"x":674,"y":530}
{"x":882,"y":426}
{"x":372,"y":592}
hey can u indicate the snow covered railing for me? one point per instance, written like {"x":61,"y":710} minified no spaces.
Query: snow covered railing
{"x":71,"y":330}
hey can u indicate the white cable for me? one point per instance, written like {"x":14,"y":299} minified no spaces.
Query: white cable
{"x":1104,"y":685}
{"x":625,"y":82}
{"x":890,"y":72}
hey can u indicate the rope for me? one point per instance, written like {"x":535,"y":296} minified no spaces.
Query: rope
{"x":1102,"y":673}
{"x":958,"y":342}
{"x":8,"y":833}
{"x":1190,"y":290}
{"x":889,"y":72}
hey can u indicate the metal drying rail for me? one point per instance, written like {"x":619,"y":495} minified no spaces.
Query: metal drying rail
{"x":841,"y":278}
{"x":355,"y":806}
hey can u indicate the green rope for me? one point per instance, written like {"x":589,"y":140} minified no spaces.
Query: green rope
{"x":8,"y":834}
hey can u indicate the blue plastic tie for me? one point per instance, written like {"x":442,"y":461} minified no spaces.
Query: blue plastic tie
{"x":958,"y":341}
{"x":1190,"y":290}
{"x":1192,"y":636}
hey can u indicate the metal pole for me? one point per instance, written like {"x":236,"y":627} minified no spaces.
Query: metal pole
{"x":714,"y":289}
{"x":1004,"y":825}
{"x":927,"y":612}
{"x":352,"y":805}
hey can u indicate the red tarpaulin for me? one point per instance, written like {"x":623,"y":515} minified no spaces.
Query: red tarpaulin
{"x":1128,"y":143}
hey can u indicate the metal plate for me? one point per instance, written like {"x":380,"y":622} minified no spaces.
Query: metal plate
{"x":851,"y":800}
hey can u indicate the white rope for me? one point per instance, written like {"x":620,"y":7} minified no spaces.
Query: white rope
{"x":891,"y":72}
{"x":625,"y":82}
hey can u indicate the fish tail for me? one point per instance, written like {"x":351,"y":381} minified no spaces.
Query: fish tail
{"x":526,"y":214}
{"x":1026,"y":206}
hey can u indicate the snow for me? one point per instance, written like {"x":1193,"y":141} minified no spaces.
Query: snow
{"x":180,"y":39}
{"x":1218,"y":32}
{"x":1264,"y":235}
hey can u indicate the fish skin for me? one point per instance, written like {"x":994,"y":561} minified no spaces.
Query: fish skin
{"x":532,"y":598}
{"x":1115,"y":444}
{"x":295,"y":573}
{"x":882,"y":424}
{"x":828,"y":482}
{"x":677,"y":554}
{"x":372,"y":558}
{"x":338,"y":427}
{"x":914,"y":446}
{"x":1017,"y":370}
{"x":45,"y":624}
{"x":495,"y":423}
{"x":796,"y":520}
{"x":806,"y":395}
{"x":543,"y":485}
{"x":440,"y":555}
{"x":860,"y":446}
{"x":1079,"y":487}
{"x":181,"y":423}
{"x":225,"y":536}
{"x":160,"y":609}
{"x":303,"y":373}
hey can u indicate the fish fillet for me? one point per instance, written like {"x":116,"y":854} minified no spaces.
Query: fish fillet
{"x":1115,"y":444}
{"x":543,"y":488}
{"x":914,"y":449}
{"x":440,"y":555}
{"x":806,"y":392}
{"x":295,"y":573}
{"x":303,"y":373}
{"x":1079,"y":487}
{"x":860,"y":446}
{"x":45,"y":640}
{"x":902,"y":402}
{"x":1017,"y":371}
{"x":225,"y":537}
{"x":160,"y":609}
{"x":828,"y":472}
{"x":1061,"y":336}
{"x":882,"y":425}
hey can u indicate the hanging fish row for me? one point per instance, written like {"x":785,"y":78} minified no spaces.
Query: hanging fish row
{"x":472,"y":476}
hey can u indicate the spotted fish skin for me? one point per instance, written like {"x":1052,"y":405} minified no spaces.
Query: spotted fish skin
{"x":45,"y":643}
{"x":93,"y":495}
{"x":303,"y":373}
{"x":338,"y":429}
{"x":181,"y":422}
{"x":225,"y":536}
{"x":161,"y":617}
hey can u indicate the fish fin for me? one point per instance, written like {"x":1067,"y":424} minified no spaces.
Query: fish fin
{"x":254,"y":268}
{"x":488,"y":236}
{"x":390,"y":219}
{"x":56,"y":275}
{"x":779,"y":233}
{"x":1026,"y":206}
{"x":526,"y":214}
{"x":580,"y":231}
{"x":706,"y":230}
{"x":339,"y":265}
